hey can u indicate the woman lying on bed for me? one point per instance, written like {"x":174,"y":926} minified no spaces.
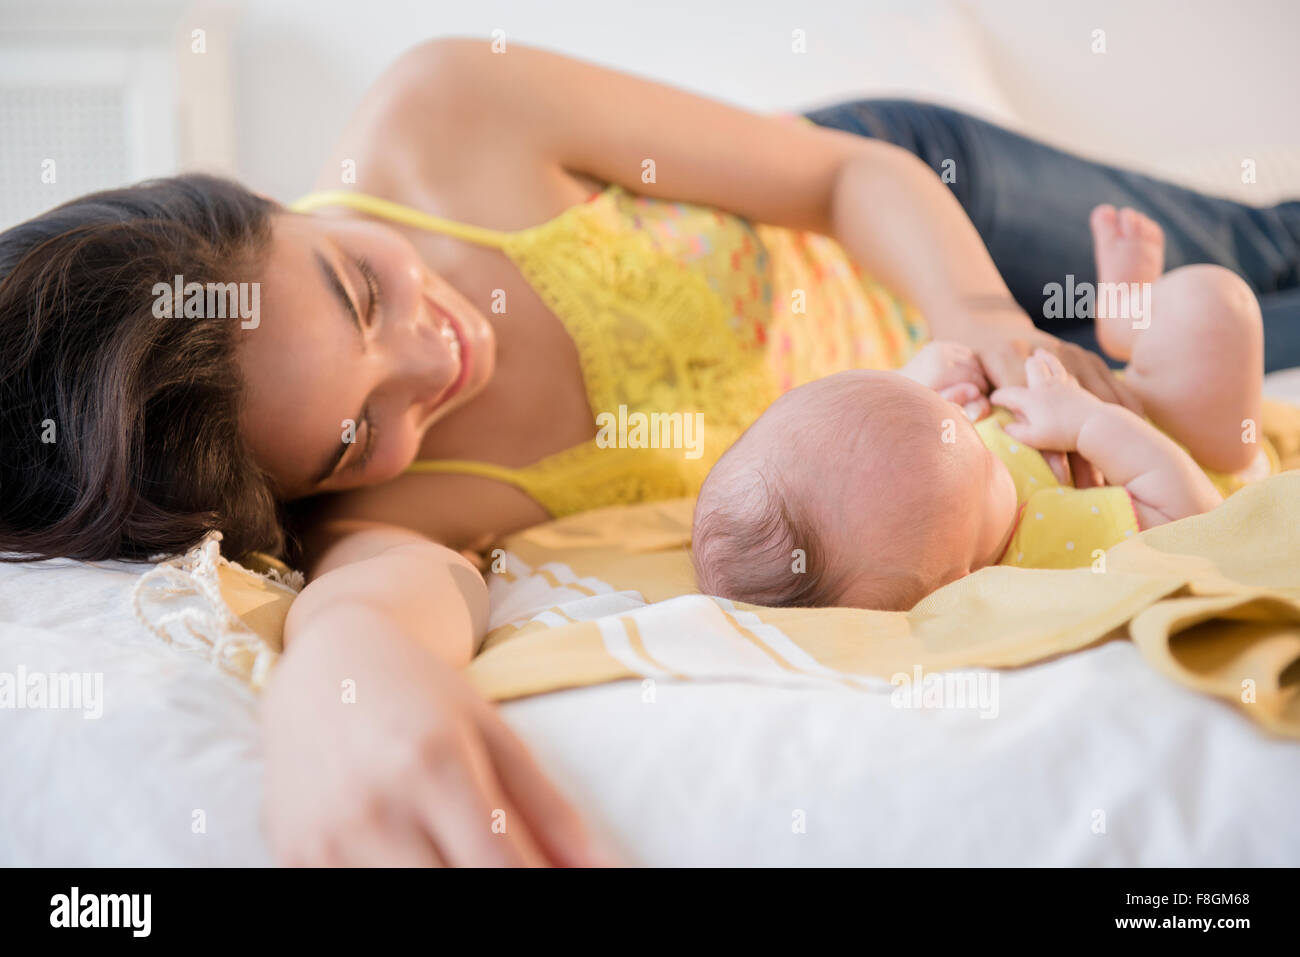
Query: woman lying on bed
{"x":424,"y":385}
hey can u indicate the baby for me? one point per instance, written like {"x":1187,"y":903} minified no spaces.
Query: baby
{"x":872,"y":489}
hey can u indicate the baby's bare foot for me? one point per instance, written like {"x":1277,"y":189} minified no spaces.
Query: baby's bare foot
{"x":1130,"y":249}
{"x":1129,"y":246}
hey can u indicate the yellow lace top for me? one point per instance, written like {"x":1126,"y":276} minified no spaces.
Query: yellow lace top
{"x":688,"y":322}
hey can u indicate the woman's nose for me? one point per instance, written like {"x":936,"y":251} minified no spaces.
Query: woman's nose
{"x":418,"y":348}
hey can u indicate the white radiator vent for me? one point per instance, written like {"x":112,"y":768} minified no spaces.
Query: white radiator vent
{"x":60,"y":142}
{"x":90,"y":94}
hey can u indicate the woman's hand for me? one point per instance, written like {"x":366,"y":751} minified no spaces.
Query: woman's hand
{"x":1050,"y":395}
{"x":379,"y":754}
{"x":1050,"y":408}
{"x":1003,"y":345}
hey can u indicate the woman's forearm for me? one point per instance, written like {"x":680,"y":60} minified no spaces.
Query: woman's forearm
{"x":885,"y":206}
{"x":893,"y":215}
{"x":422,"y":590}
{"x":378,"y":750}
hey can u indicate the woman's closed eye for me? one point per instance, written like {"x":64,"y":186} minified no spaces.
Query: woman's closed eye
{"x":369,"y":311}
{"x":373,"y":290}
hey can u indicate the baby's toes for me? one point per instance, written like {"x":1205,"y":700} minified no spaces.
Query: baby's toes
{"x":1149,"y":231}
{"x":1140,"y":228}
{"x":1104,"y":221}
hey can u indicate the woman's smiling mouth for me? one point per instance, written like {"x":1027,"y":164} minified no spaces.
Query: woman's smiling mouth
{"x":454,"y":335}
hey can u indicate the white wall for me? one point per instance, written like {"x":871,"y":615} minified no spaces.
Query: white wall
{"x":1179,"y":76}
{"x":1182,"y":80}
{"x":304,"y":63}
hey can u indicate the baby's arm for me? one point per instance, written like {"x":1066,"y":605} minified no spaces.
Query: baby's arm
{"x":1056,"y":413}
{"x":1164,"y":480}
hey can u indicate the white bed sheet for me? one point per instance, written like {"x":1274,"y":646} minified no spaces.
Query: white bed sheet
{"x":706,"y":774}
{"x":718,"y":774}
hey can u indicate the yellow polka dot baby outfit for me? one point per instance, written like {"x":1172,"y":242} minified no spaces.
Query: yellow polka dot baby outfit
{"x":1060,"y":526}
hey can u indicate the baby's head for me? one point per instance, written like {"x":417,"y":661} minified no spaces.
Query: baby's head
{"x":863,"y":489}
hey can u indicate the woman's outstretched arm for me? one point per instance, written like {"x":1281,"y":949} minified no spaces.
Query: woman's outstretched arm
{"x":378,"y":751}
{"x":400,"y":574}
{"x":529,"y":110}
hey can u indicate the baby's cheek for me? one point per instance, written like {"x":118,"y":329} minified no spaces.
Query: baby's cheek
{"x":957,"y":536}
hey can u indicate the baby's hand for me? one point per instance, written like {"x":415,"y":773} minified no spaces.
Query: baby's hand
{"x":954,"y":371}
{"x":1051,"y":409}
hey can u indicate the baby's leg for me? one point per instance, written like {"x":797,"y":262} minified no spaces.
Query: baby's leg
{"x":1195,"y":353}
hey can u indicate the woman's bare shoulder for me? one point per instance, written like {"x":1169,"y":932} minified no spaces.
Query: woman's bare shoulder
{"x":427,"y":133}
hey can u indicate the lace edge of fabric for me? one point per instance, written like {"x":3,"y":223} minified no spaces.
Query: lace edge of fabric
{"x":210,"y":629}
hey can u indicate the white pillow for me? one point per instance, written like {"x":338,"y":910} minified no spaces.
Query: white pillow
{"x":169,"y":772}
{"x":1275,"y":171}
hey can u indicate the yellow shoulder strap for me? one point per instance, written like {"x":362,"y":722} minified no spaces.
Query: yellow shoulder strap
{"x":501,"y":473}
{"x":397,"y":213}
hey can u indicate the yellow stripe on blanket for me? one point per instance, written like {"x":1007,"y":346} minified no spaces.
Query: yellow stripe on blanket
{"x":1212,"y":601}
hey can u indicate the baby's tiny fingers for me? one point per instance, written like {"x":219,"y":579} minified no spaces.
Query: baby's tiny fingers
{"x":961,"y":393}
{"x":1056,"y":369}
{"x":977,"y":409}
{"x":1037,"y":372}
{"x":1020,"y":431}
{"x":1011,"y":397}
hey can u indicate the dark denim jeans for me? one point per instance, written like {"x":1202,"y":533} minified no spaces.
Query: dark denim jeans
{"x":1030,"y":203}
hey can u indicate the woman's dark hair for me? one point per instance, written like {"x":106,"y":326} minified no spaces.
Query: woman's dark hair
{"x":119,"y":430}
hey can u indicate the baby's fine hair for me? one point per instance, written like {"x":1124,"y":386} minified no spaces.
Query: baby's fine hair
{"x":757,"y":545}
{"x":757,"y":537}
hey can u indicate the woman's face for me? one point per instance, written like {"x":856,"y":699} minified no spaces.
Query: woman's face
{"x":359,"y":349}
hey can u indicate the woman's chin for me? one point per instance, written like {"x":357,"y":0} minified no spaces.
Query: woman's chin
{"x":476,"y":383}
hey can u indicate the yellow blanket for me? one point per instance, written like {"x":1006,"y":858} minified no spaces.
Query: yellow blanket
{"x":1213,"y":602}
